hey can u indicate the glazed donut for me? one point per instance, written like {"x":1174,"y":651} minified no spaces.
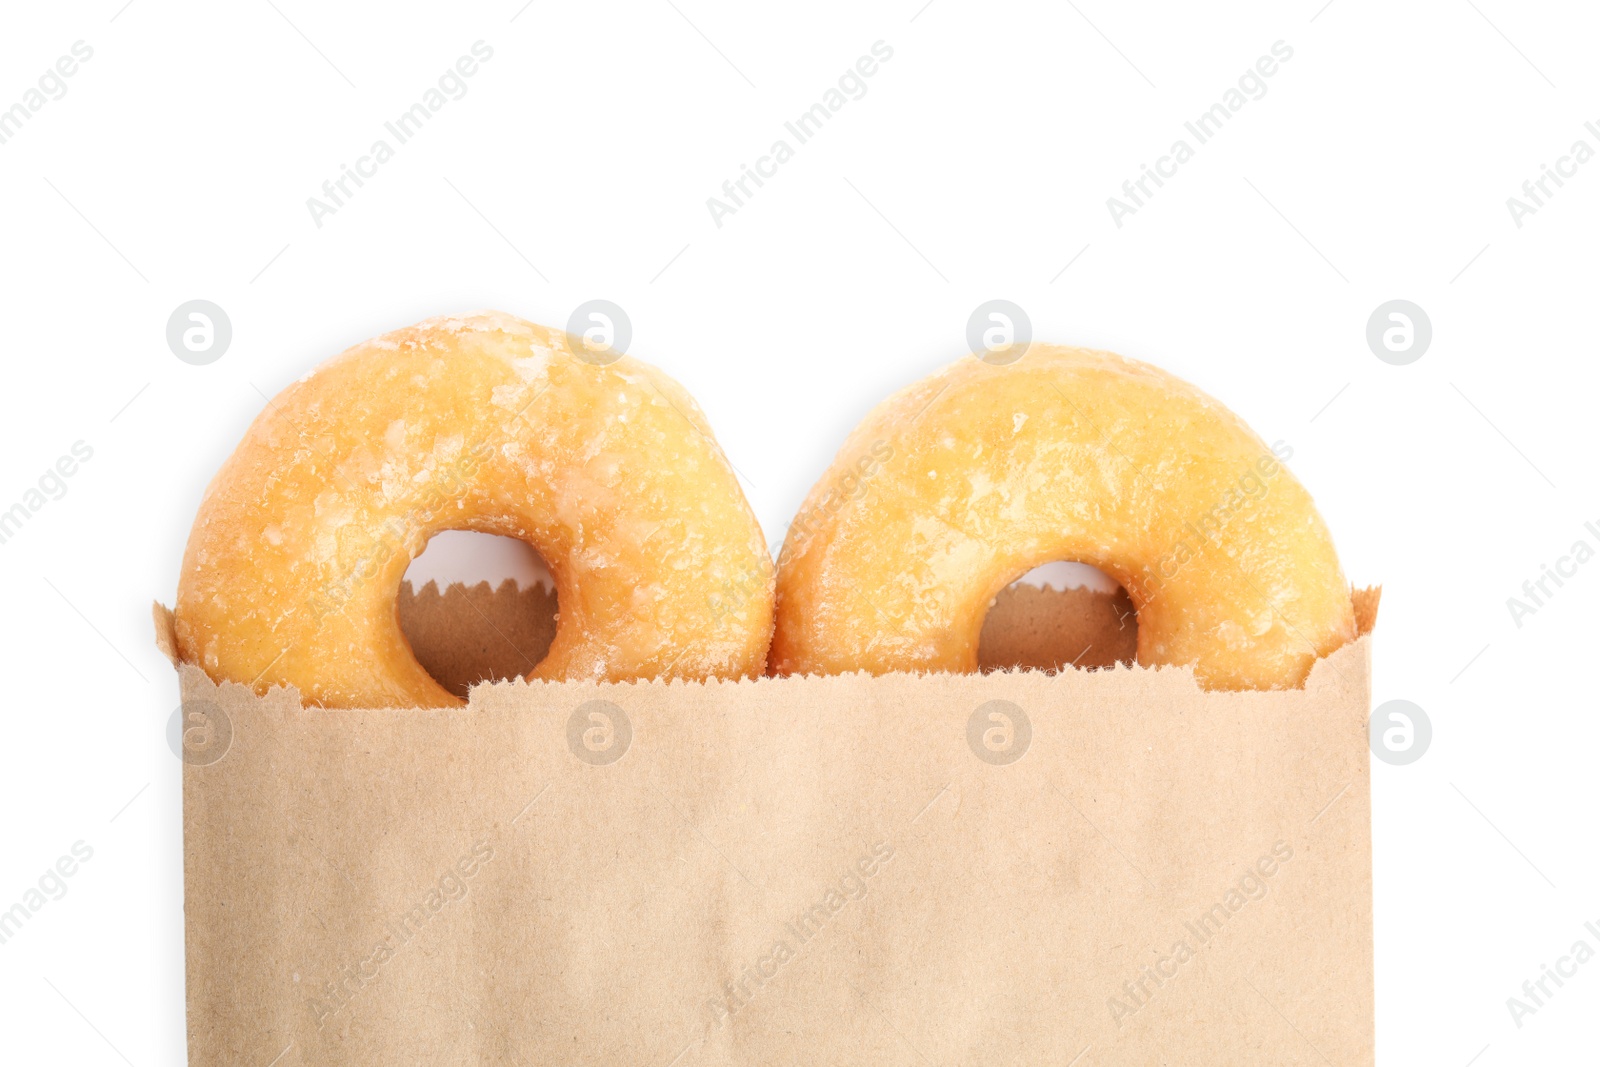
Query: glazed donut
{"x":955,"y":487}
{"x":486,"y":423}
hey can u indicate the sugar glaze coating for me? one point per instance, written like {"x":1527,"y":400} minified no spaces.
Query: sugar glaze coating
{"x":480,"y":422}
{"x":956,"y":486}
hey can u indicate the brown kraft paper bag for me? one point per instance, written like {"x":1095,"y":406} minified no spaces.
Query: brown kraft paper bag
{"x":1104,"y":866}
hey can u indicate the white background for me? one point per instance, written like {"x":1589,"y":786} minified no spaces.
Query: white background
{"x":1377,"y":166}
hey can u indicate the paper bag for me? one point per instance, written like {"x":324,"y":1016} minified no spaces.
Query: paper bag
{"x":1104,"y":866}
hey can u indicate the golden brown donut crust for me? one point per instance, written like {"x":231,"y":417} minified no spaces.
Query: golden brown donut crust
{"x":480,"y":422}
{"x":956,"y":486}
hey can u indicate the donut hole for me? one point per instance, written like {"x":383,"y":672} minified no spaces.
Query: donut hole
{"x":1059,"y":614}
{"x":477,"y":607}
